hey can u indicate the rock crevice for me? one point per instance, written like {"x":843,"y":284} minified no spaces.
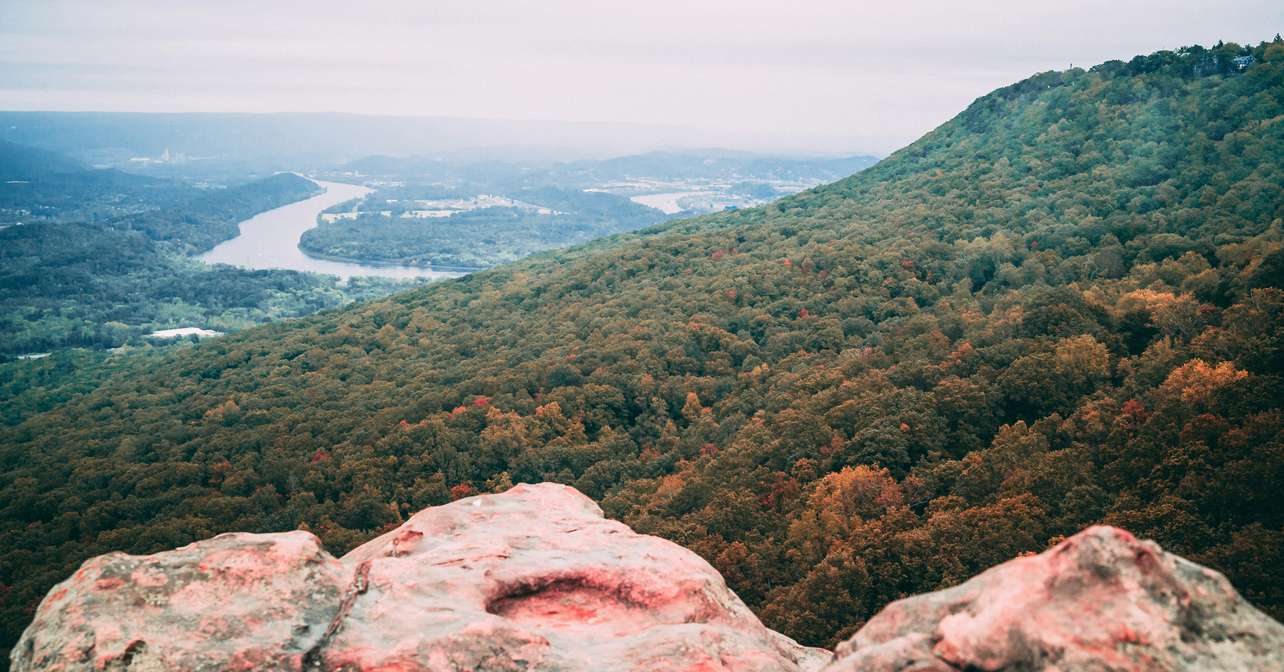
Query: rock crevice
{"x":314,"y":658}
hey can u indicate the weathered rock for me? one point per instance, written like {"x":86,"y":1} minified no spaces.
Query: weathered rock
{"x":533,"y":579}
{"x":234,"y":602}
{"x":537,"y":579}
{"x":1100,"y":600}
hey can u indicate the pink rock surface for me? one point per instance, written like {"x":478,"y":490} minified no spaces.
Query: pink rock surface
{"x":532,"y":579}
{"x":1101,"y":600}
{"x":234,"y":602}
{"x":536,"y":579}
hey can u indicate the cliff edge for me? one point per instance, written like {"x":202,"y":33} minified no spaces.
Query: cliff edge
{"x":537,"y":579}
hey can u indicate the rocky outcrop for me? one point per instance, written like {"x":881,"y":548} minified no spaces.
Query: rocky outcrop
{"x":237,"y":601}
{"x":1101,"y":600}
{"x":537,"y":579}
{"x":532,"y":579}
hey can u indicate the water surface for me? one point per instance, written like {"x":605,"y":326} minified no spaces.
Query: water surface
{"x":271,"y":240}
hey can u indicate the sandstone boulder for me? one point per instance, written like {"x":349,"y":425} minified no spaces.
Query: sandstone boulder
{"x":536,"y":579}
{"x":1101,"y":600}
{"x":533,"y":579}
{"x":237,"y":601}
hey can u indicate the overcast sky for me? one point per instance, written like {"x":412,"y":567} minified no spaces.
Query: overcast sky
{"x":820,"y":75}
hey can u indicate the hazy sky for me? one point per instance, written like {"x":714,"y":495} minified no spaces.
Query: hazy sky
{"x":818,"y":75}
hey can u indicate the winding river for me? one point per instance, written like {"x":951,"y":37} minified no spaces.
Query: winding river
{"x":271,"y":240}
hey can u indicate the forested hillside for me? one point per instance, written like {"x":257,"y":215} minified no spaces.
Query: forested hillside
{"x":544,"y":219}
{"x":39,"y":186}
{"x":1063,"y":306}
{"x":98,"y":258}
{"x":199,"y":224}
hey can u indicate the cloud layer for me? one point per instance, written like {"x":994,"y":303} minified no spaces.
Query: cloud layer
{"x":820,"y":75}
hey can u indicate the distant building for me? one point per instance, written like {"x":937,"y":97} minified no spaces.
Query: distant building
{"x":1241,"y":62}
{"x":185,"y":331}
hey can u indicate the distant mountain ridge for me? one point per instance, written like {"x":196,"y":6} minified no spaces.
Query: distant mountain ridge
{"x":45,"y":184}
{"x":686,"y":164}
{"x":296,"y":140}
{"x":20,"y":162}
{"x":724,"y":164}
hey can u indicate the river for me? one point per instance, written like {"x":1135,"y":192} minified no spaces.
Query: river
{"x":271,"y":240}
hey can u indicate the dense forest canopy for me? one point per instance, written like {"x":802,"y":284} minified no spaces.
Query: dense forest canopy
{"x":1063,"y":306}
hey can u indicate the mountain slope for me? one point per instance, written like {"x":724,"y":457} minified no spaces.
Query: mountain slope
{"x":39,"y":185}
{"x":75,"y":280}
{"x":19,"y":162}
{"x":200,"y":223}
{"x":1061,"y":307}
